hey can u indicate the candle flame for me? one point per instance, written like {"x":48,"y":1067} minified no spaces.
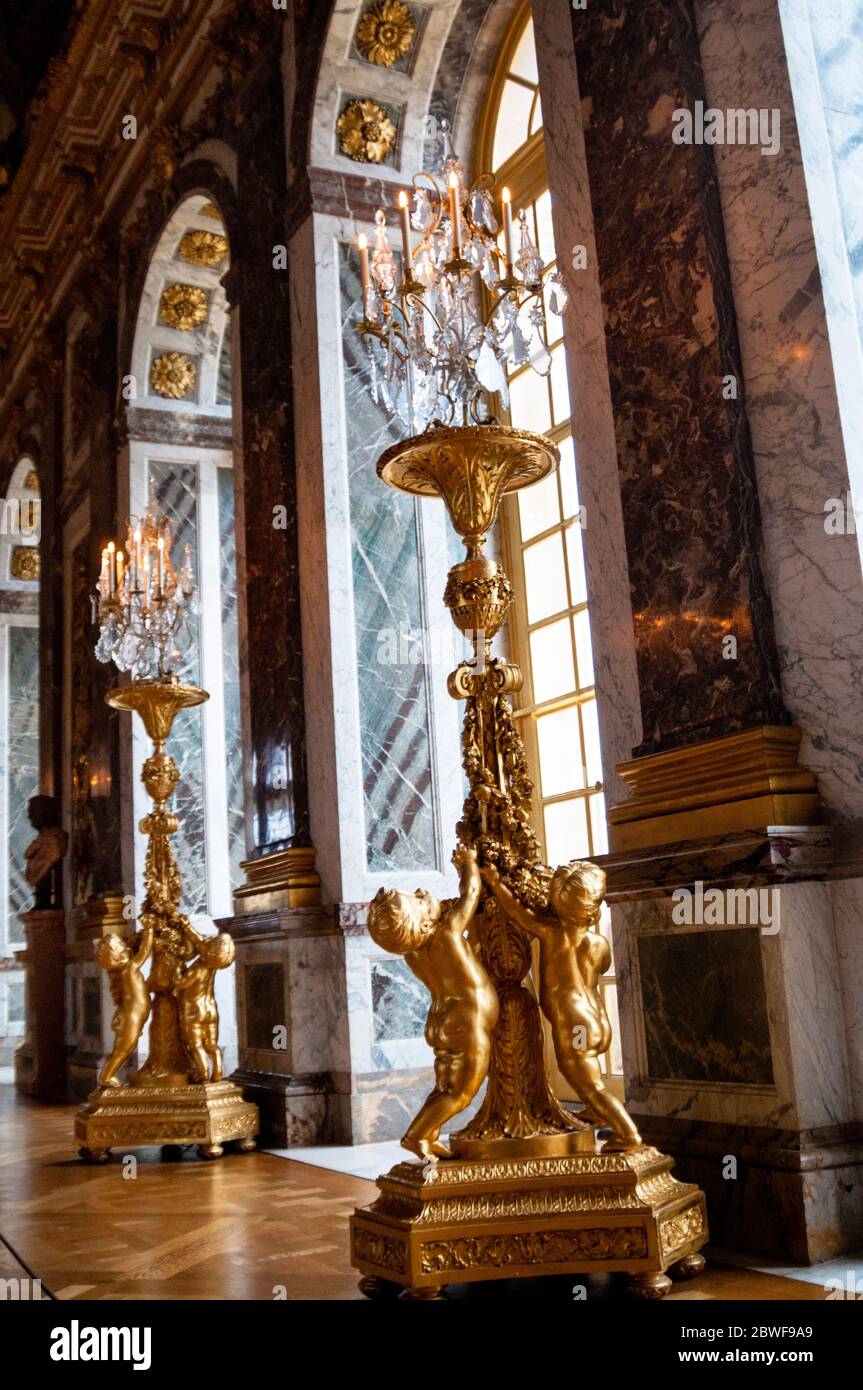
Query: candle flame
{"x":505,"y":195}
{"x":403,"y":199}
{"x":362,"y":241}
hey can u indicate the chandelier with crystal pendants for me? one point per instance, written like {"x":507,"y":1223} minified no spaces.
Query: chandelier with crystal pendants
{"x":142,"y":604}
{"x":438,"y":348}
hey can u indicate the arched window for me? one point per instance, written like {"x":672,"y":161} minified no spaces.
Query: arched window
{"x":19,"y":730}
{"x":181,"y":454}
{"x":549,"y":627}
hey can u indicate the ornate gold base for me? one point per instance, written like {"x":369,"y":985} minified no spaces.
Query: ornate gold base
{"x":288,"y":879}
{"x":129,"y":1117}
{"x":463,"y":1220}
{"x":742,"y":782}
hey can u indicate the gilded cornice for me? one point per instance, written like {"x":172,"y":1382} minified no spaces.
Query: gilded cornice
{"x":79,"y":175}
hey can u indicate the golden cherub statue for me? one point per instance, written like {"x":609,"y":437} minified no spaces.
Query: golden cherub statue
{"x":130,"y":993}
{"x":572,"y":957}
{"x":439,"y":943}
{"x":196,"y":1000}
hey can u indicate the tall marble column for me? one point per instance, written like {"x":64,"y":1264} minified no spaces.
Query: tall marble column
{"x":280,"y":870}
{"x":695,"y":265}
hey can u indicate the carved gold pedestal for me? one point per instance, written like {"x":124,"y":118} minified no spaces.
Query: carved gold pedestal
{"x":463,"y":1220}
{"x":127,"y":1117}
{"x":524,"y":1190}
{"x":171,"y":1099}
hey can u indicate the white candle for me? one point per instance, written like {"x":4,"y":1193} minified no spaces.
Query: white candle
{"x":363,"y":245}
{"x":136,"y":559}
{"x":120,"y":573}
{"x":146,"y":581}
{"x":506,"y":199}
{"x":161,"y":564}
{"x":110,"y":554}
{"x":406,"y":234}
{"x":455,"y":213}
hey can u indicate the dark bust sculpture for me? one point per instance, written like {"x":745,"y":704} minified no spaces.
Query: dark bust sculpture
{"x":45,"y":854}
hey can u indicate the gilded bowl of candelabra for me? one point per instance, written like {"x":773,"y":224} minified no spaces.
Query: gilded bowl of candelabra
{"x":471,"y":467}
{"x":157,"y":701}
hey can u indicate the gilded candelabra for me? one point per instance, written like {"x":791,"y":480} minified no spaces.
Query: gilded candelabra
{"x":524,"y":1187}
{"x":178,"y":1096}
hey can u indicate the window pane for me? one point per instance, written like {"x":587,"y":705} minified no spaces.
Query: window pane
{"x":536,"y":116}
{"x":530,"y":408}
{"x":538,"y":508}
{"x":559,"y":386}
{"x":598,"y":827}
{"x":568,"y":484}
{"x":545,"y":233}
{"x":560,"y":756}
{"x":575,"y":560}
{"x":176,"y":489}
{"x":566,"y":831}
{"x":524,"y":62}
{"x":551,"y":661}
{"x":583,"y":649}
{"x":592,"y":755}
{"x":545,"y":579}
{"x":512,"y":122}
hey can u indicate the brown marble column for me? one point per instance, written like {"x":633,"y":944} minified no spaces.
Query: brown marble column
{"x":690,"y":505}
{"x":281,"y":865}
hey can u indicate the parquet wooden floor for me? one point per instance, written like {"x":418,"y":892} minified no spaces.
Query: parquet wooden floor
{"x":250,"y":1226}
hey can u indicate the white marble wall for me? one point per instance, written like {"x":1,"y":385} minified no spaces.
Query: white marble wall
{"x":327,"y":601}
{"x":790,"y":360}
{"x":824,"y":48}
{"x":847,"y":898}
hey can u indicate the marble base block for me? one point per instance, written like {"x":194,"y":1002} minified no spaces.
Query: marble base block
{"x":40,"y":1061}
{"x":739,"y":1046}
{"x":788,"y":1194}
{"x":297,"y":1111}
{"x":292,"y":1022}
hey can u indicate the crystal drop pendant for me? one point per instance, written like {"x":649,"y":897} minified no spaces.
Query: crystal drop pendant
{"x":422,"y":218}
{"x":540,"y":357}
{"x":559,"y":295}
{"x":489,"y":370}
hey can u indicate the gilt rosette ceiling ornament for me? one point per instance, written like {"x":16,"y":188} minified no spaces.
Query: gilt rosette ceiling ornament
{"x":24,"y":563}
{"x":366,"y":132}
{"x":173,"y":375}
{"x":207,"y":249}
{"x":183,"y":306}
{"x":385,"y":32}
{"x":445,"y":329}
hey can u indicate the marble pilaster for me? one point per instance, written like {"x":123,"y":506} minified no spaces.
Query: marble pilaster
{"x":40,"y":1060}
{"x":752,"y":1093}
